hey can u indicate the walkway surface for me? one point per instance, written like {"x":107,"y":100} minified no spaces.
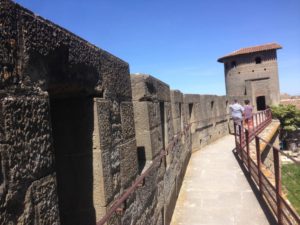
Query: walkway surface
{"x":215,"y":190}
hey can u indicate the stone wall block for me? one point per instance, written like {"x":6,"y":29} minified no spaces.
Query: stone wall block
{"x":116,"y":82}
{"x":176,"y":96}
{"x":169,"y":121}
{"x":156,"y":141}
{"x":154,"y":114}
{"x":9,"y":74}
{"x":129,"y":163}
{"x":127,"y":120}
{"x":148,"y":193}
{"x":27,"y":153}
{"x":55,"y":57}
{"x":146,"y":87}
{"x":105,"y":128}
{"x":110,"y":133}
{"x":41,"y":204}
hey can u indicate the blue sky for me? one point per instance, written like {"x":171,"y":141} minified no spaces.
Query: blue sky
{"x":179,"y":41}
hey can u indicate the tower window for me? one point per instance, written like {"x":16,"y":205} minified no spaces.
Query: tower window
{"x":258,"y":60}
{"x":233,"y":64}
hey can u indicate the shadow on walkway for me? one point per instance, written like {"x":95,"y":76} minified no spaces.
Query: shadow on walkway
{"x":269,"y":215}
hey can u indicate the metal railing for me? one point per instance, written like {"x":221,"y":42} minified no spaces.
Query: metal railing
{"x":268,"y":182}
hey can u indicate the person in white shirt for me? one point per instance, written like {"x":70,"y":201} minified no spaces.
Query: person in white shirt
{"x":236,"y":111}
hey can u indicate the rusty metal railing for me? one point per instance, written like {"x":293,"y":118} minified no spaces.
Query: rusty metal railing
{"x":269,"y":183}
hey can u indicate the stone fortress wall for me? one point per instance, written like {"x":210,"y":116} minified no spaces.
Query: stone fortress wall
{"x":76,"y":129}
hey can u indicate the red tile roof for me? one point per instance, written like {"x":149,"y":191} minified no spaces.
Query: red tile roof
{"x":258,"y":48}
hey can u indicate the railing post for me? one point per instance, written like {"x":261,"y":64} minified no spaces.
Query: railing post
{"x":257,"y":145}
{"x":235,"y":135}
{"x":265,"y":114}
{"x":278,"y":184}
{"x":248,"y":150}
{"x":241,"y":140}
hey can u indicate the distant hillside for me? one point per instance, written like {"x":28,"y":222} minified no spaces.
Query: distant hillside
{"x":287,"y":99}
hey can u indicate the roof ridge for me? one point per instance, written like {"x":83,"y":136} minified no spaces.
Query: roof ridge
{"x":251,"y":49}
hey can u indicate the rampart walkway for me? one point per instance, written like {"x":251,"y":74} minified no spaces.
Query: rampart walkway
{"x":215,"y":190}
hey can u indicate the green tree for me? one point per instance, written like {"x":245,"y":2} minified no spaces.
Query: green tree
{"x":289,"y":117}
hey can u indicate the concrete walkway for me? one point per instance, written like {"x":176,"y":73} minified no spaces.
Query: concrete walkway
{"x":215,"y":190}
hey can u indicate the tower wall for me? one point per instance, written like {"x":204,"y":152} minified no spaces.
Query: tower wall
{"x":250,"y":78}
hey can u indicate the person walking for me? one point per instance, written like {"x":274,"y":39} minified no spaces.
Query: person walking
{"x":236,"y":111}
{"x":248,"y":115}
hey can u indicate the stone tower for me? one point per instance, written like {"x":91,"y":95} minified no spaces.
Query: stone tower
{"x":253,"y":71}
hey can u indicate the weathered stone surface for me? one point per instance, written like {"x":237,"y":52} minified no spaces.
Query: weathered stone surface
{"x":145,"y":87}
{"x":55,"y":60}
{"x":9,"y":73}
{"x":148,"y":127}
{"x":41,"y":206}
{"x":99,"y":199}
{"x":127,"y":120}
{"x":154,"y":114}
{"x":150,"y":197}
{"x":118,"y":154}
{"x":141,"y":117}
{"x":170,"y":202}
{"x":26,"y":151}
{"x":36,"y":56}
{"x":110,"y":137}
{"x":116,"y":81}
{"x":128,"y":164}
{"x":176,"y":96}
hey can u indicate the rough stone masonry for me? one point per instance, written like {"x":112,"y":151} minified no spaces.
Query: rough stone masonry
{"x":66,"y":123}
{"x":76,"y":129}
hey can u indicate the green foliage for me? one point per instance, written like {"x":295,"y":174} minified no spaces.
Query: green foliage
{"x":288,"y":115}
{"x":291,"y":184}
